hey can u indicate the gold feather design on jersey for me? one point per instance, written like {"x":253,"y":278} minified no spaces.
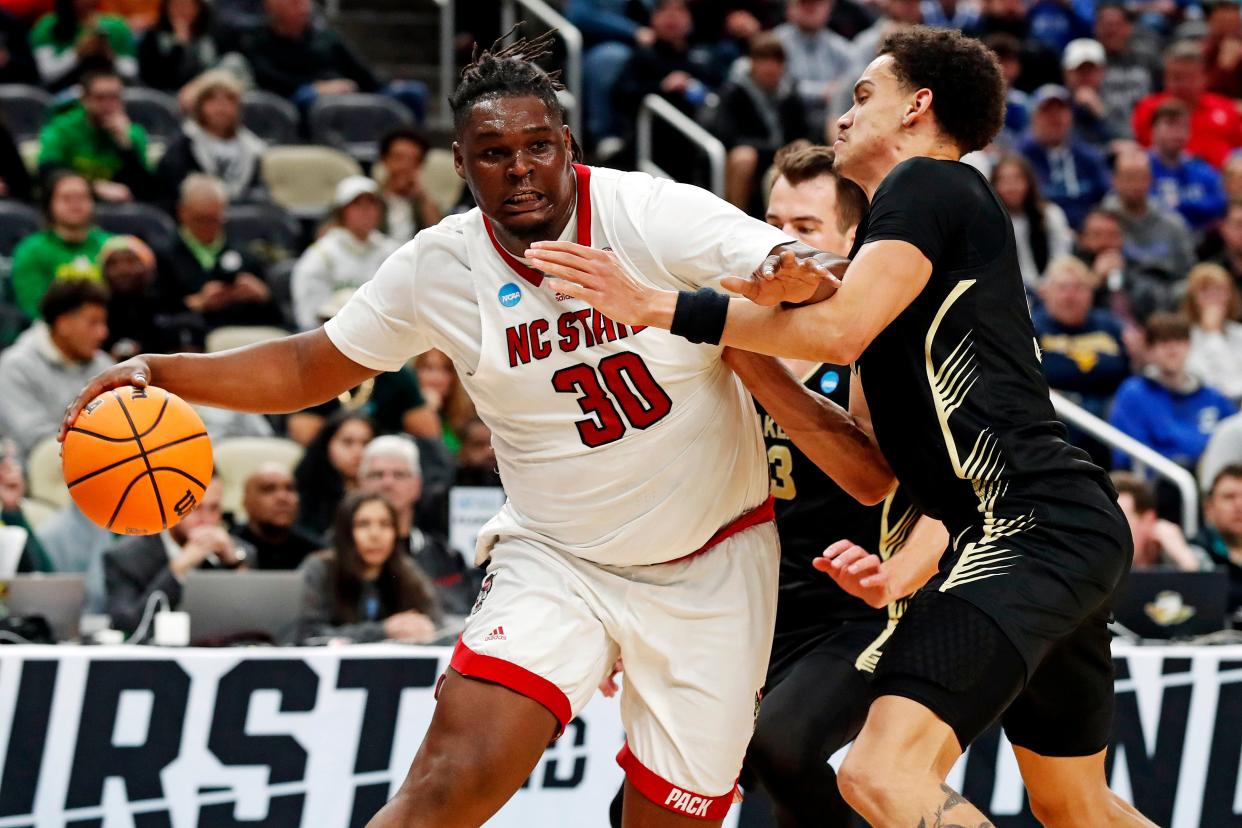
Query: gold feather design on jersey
{"x":950,"y":385}
{"x":893,"y":537}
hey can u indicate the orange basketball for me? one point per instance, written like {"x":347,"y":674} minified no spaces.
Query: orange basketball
{"x":137,"y":460}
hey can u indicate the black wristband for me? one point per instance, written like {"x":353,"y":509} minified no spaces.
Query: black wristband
{"x":700,"y":315}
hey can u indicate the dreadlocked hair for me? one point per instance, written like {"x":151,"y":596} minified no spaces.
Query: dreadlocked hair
{"x":508,"y":71}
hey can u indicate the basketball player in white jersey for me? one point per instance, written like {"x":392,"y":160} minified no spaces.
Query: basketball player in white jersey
{"x":638,"y":522}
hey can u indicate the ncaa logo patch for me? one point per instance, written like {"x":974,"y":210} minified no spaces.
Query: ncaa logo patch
{"x":829,"y":382}
{"x":510,"y":294}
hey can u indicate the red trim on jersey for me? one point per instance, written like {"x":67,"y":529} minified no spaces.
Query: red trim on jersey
{"x":583,"y":175}
{"x":764,"y":512}
{"x":518,"y":679}
{"x":670,"y":796}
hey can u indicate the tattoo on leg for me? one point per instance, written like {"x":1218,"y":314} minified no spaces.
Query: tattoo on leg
{"x":952,"y":800}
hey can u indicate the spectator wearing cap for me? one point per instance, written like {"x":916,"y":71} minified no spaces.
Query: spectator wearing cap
{"x":1167,"y":408}
{"x":1158,"y":247}
{"x":760,"y":111}
{"x":407,"y":206}
{"x":1083,"y":63}
{"x":1071,"y":173}
{"x":1129,"y":73}
{"x":96,"y":139}
{"x":205,"y":276}
{"x":1222,"y":48}
{"x":1181,"y":182}
{"x":1215,"y":125}
{"x":214,"y":141}
{"x":128,"y":267}
{"x":67,"y":248}
{"x":49,"y":364}
{"x":346,"y":256}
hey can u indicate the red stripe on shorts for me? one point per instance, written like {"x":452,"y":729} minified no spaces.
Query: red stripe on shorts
{"x":667,"y":795}
{"x":763,"y":513}
{"x":518,"y":679}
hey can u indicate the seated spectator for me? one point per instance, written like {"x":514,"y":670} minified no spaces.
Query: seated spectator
{"x":1099,"y":247}
{"x":1039,"y":227}
{"x":1084,"y":61}
{"x":68,"y":248}
{"x":1182,"y":182}
{"x":18,"y":64}
{"x":1041,"y":64}
{"x":140,"y":15}
{"x":407,"y":206}
{"x":270,"y":500}
{"x":442,"y":388}
{"x":296,"y":59}
{"x":1158,"y":247}
{"x":1129,"y":73}
{"x":75,"y":543}
{"x":329,"y":469}
{"x":1084,"y":355}
{"x":1008,"y":51}
{"x":1071,"y":173}
{"x":1056,"y":23}
{"x":1230,"y":255}
{"x":75,"y":39}
{"x":611,"y":36}
{"x":759,"y":112}
{"x":129,"y":272}
{"x":1222,"y":48}
{"x":214,"y":141}
{"x":346,"y":256}
{"x":1215,"y":125}
{"x":1222,"y":530}
{"x":363,"y":589}
{"x":1167,"y":408}
{"x":180,"y":47}
{"x":950,"y":14}
{"x":43,"y":371}
{"x":97,"y":140}
{"x":138,"y":568}
{"x":1214,"y":306}
{"x":1232,"y":175}
{"x":391,"y":467}
{"x":476,"y":460}
{"x":1158,"y":544}
{"x":12,"y":492}
{"x":203,"y":272}
{"x":1223,"y":449}
{"x":14,"y":177}
{"x":822,"y":63}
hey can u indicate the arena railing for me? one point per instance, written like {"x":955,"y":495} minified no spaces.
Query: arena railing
{"x":448,"y":73}
{"x":653,"y":107}
{"x":572,"y":37}
{"x":1143,"y":456}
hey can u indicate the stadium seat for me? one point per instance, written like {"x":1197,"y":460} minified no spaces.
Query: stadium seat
{"x":24,"y":109}
{"x":154,"y":111}
{"x":355,"y":122}
{"x":45,"y":481}
{"x":145,"y":221}
{"x":265,"y":231}
{"x":17,"y":221}
{"x":443,"y":183}
{"x":238,"y":457}
{"x":235,"y":336}
{"x":270,"y":116}
{"x":303,"y":179}
{"x":37,"y":512}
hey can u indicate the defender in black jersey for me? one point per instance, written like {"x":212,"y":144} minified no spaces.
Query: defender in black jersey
{"x":932,"y":310}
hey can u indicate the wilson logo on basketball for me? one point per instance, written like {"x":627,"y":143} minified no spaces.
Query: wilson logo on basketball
{"x":186,"y":504}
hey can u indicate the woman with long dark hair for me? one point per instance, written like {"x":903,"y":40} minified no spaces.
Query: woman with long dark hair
{"x":1039,"y":227}
{"x":363,"y":589}
{"x":180,"y":46}
{"x":329,"y":468}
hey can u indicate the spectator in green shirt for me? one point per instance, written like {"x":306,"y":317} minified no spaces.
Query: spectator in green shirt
{"x":97,"y":140}
{"x":75,"y":37}
{"x":67,"y":249}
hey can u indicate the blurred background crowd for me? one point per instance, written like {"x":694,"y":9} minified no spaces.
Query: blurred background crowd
{"x":192,"y":175}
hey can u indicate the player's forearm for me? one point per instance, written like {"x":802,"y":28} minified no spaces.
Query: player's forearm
{"x":824,"y":431}
{"x":918,"y":560}
{"x":818,"y":332}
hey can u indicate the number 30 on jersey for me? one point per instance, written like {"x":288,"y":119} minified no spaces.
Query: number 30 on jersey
{"x":633,"y":396}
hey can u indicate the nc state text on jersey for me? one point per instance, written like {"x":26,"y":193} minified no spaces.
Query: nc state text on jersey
{"x":584,"y":328}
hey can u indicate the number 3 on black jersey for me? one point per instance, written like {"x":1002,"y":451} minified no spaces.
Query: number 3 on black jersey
{"x":631,"y":391}
{"x":780,"y":468}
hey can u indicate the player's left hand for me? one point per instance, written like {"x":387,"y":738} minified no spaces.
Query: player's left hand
{"x":784,"y":277}
{"x":856,"y":571}
{"x":595,"y":277}
{"x":609,"y":685}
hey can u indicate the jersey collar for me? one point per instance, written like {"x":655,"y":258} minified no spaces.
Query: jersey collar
{"x":583,"y":175}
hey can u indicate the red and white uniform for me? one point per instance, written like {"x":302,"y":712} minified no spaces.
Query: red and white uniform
{"x":623,"y":452}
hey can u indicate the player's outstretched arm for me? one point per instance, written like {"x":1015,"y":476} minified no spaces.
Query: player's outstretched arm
{"x":830,"y":436}
{"x":273,"y":377}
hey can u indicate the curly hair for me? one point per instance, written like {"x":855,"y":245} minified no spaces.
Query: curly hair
{"x":968,"y":89}
{"x":508,"y":71}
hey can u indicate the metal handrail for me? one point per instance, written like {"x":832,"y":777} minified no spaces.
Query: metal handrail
{"x":448,"y":26}
{"x":1142,"y":455}
{"x":569,"y":33}
{"x":654,"y":106}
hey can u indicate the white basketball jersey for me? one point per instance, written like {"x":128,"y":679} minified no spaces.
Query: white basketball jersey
{"x":617,"y":444}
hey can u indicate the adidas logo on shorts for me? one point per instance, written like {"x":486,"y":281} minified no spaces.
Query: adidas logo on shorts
{"x":497,"y":634}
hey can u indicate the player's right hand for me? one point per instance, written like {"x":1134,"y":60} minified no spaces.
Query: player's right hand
{"x":856,"y":571}
{"x":135,"y":371}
